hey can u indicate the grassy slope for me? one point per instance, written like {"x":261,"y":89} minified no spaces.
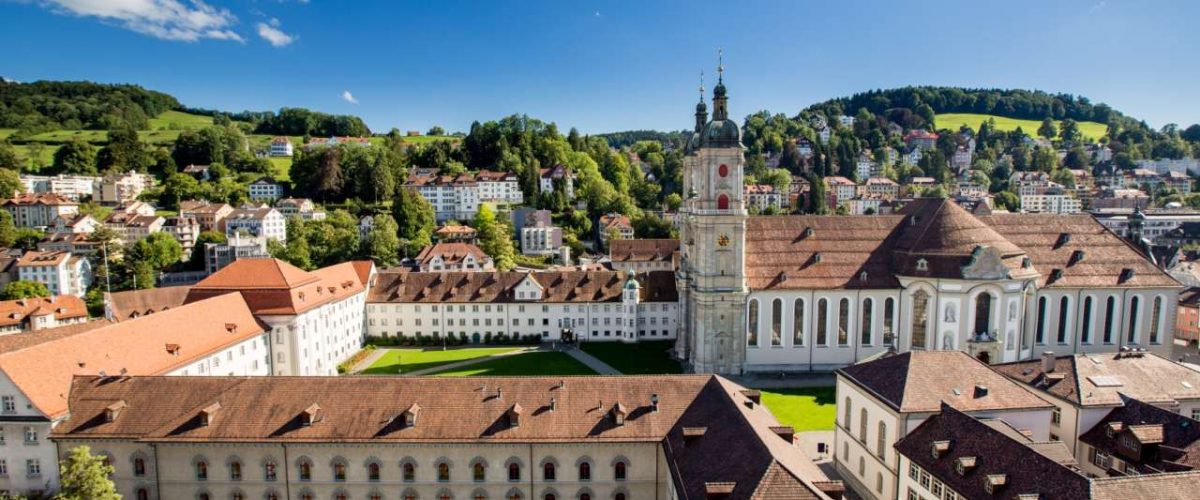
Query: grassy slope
{"x":952,"y":121}
{"x":809,"y":409}
{"x":635,"y":359}
{"x":407,"y":360}
{"x":532,"y":363}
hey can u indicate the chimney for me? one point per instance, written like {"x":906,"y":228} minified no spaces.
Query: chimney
{"x":654,"y":403}
{"x":553,"y":403}
{"x":1048,"y":362}
{"x":980,"y":391}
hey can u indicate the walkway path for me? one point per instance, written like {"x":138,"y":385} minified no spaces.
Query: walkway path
{"x":591,"y":361}
{"x":368,"y":361}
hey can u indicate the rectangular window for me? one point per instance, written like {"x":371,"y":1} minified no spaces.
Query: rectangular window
{"x":1056,"y":416}
{"x":33,"y":467}
{"x":31,"y":435}
{"x":9,"y":404}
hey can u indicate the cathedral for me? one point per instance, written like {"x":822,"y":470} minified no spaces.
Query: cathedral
{"x":800,"y":293}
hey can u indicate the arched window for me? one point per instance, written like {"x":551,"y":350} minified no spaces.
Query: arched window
{"x":237,"y":495}
{"x":752,"y":323}
{"x":271,"y":495}
{"x":409,"y":471}
{"x":1040,"y":332}
{"x":1085,"y":333}
{"x":585,"y":471}
{"x":823,"y":321}
{"x":862,"y":425}
{"x":723,"y":202}
{"x":478,"y":472}
{"x":443,"y":472}
{"x":983,"y":313}
{"x":844,"y":322}
{"x":889,"y":318}
{"x":867,"y":328}
{"x":879,"y":482}
{"x":619,"y":496}
{"x":1155,"y":322}
{"x":550,"y":496}
{"x":619,"y":471}
{"x":373,"y":471}
{"x":862,"y":465}
{"x":139,"y":467}
{"x":305,"y":470}
{"x":339,"y":470}
{"x":920,"y":318}
{"x":142,"y":494}
{"x":235,"y":470}
{"x":375,"y":495}
{"x":1063,"y":311}
{"x":306,"y":495}
{"x":514,"y":495}
{"x":203,"y":495}
{"x":776,"y":322}
{"x":798,"y":322}
{"x":881,"y":440}
{"x":548,"y":471}
{"x":1110,"y":311}
{"x":846,"y":415}
{"x":340,"y":495}
{"x":1134,"y":305}
{"x":514,"y":472}
{"x":269,"y":470}
{"x":201,"y":470}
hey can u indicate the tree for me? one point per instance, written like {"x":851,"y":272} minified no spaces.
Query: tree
{"x":145,"y":258}
{"x":1044,"y":159}
{"x":818,"y":204}
{"x":85,"y":477}
{"x":414,"y":217}
{"x":436,"y":130}
{"x":76,"y":157}
{"x":124,"y":150}
{"x":8,"y":157}
{"x":495,"y":237}
{"x":8,"y":230}
{"x":674,"y":201}
{"x":1069,"y":131}
{"x":10,"y":182}
{"x":1047,"y":130}
{"x":23,"y":289}
{"x":1007,"y":200}
{"x":197,"y":260}
{"x":383,"y":242}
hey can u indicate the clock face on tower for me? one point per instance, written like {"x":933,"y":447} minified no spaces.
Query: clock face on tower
{"x":723,"y":240}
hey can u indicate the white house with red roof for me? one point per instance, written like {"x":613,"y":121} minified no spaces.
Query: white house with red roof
{"x":281,"y":146}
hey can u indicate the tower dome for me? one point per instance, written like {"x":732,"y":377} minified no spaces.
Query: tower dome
{"x":721,"y":132}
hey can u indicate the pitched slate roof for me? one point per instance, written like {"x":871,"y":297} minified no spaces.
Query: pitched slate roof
{"x":43,"y":371}
{"x":833,"y":252}
{"x":1101,"y":379}
{"x":499,"y":286}
{"x":463,"y":410}
{"x":1170,"y":441}
{"x":920,"y":381}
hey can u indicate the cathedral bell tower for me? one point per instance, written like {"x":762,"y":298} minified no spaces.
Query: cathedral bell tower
{"x":712,"y":271}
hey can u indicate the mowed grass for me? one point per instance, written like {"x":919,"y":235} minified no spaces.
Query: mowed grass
{"x":807,"y":409}
{"x":953,"y":121}
{"x":179,"y":120}
{"x":642,"y":358}
{"x":396,"y":361}
{"x":283,"y":167}
{"x":527,"y":364}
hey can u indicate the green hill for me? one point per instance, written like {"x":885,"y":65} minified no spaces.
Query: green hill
{"x":953,"y":121}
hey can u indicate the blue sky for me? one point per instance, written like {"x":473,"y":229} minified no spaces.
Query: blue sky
{"x":603,"y":66}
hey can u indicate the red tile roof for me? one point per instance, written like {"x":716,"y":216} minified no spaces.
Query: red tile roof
{"x":274,"y":287}
{"x":497,"y":286}
{"x":63,"y":307}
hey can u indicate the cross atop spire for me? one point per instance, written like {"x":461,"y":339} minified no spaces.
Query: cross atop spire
{"x":701,"y":85}
{"x":720,"y":65}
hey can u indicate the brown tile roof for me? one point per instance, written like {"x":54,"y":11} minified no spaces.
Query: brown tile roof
{"x":19,"y":341}
{"x":610,"y":221}
{"x":1172,"y":486}
{"x":920,"y":381}
{"x":131,"y":304}
{"x":463,"y":410}
{"x":1143,"y":376}
{"x":201,"y":207}
{"x":643,"y":250}
{"x":498,"y":286}
{"x":39,"y":199}
{"x":451,"y":253}
{"x":1170,"y":441}
{"x":43,"y":371}
{"x":832,"y":252}
{"x":63,"y":307}
{"x":493,"y":176}
{"x":274,"y":287}
{"x":454,"y":230}
{"x":993,"y":453}
{"x":38,"y":259}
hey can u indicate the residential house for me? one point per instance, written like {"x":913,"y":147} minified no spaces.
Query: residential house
{"x":133,"y":226}
{"x":200,"y":172}
{"x":39,"y":210}
{"x":501,"y":188}
{"x":920,"y":139}
{"x":303,"y":208}
{"x":455,"y":234}
{"x":614,"y":224}
{"x":71,"y":187}
{"x":839,"y":190}
{"x":865,"y":165}
{"x":265,"y":190}
{"x":39,"y":313}
{"x":61,"y":272}
{"x":763,"y":196}
{"x":1187,"y":318}
{"x":74,"y":224}
{"x":117,"y":189}
{"x":210,"y":216}
{"x":238,"y":246}
{"x":880,"y":187}
{"x":446,"y":257}
{"x":1053,"y":200}
{"x":1178,"y":181}
{"x":332,"y":141}
{"x":266,"y":222}
{"x":452,"y":197}
{"x":644,"y":255}
{"x":558,"y":173}
{"x":186,"y":231}
{"x":1137,"y":439}
{"x":1118,"y":198}
{"x":540,"y":239}
{"x":281,"y":146}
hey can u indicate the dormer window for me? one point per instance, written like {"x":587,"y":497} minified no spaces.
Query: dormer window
{"x":209,"y":413}
{"x":310,"y":415}
{"x":619,"y":412}
{"x":410,"y":415}
{"x":922,"y":265}
{"x":514,"y":416}
{"x":963,"y":465}
{"x":112,"y":411}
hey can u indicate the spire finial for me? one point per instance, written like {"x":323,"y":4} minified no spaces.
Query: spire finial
{"x":720,"y":65}
{"x":701,"y":85}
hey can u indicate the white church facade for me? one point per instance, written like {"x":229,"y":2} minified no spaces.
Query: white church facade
{"x":797,"y":293}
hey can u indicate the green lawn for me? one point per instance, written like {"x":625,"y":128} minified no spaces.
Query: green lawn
{"x":179,"y":120}
{"x":283,"y":167}
{"x":407,"y":360}
{"x":953,"y":121}
{"x":530,"y":363}
{"x":809,"y":409}
{"x":635,"y":359}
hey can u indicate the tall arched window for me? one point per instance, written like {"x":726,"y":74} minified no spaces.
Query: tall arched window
{"x":443,"y":472}
{"x":1134,"y":304}
{"x":478,"y":472}
{"x":1085,"y":332}
{"x":139,"y":467}
{"x":823,"y":322}
{"x":1155,"y":321}
{"x":867,"y":314}
{"x":920,"y":319}
{"x":881,"y":440}
{"x":862,"y":425}
{"x":237,"y":495}
{"x":1063,"y":315}
{"x":723,"y":202}
{"x":409,"y":472}
{"x":1110,"y":312}
{"x":142,"y":494}
{"x":201,"y":470}
{"x":752,"y":323}
{"x":373,"y":471}
{"x":235,"y":470}
{"x":585,"y":471}
{"x":889,"y":318}
{"x":844,"y":322}
{"x":798,"y":322}
{"x":305,"y":470}
{"x":1041,"y":321}
{"x":847,"y":415}
{"x":339,"y":470}
{"x":619,"y":471}
{"x":548,"y":472}
{"x":514,"y":472}
{"x":776,"y":322}
{"x":269,"y":471}
{"x":983,"y":313}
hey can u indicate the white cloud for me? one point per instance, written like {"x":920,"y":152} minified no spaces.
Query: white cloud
{"x":273,"y":35}
{"x":348,"y":97}
{"x":165,"y":19}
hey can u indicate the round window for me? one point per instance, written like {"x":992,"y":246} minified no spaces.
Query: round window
{"x":723,"y":170}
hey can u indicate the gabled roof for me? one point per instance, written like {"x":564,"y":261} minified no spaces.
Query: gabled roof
{"x":39,"y":199}
{"x":499,"y":286}
{"x":133,"y":304}
{"x":62,"y":307}
{"x":274,"y":287}
{"x":257,"y":273}
{"x":451,"y":253}
{"x":39,"y":259}
{"x":43,"y":371}
{"x":1177,"y":437}
{"x":920,"y":381}
{"x":643,"y":250}
{"x":1101,"y":379}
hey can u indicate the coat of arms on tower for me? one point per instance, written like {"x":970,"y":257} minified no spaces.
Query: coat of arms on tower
{"x":723,"y":240}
